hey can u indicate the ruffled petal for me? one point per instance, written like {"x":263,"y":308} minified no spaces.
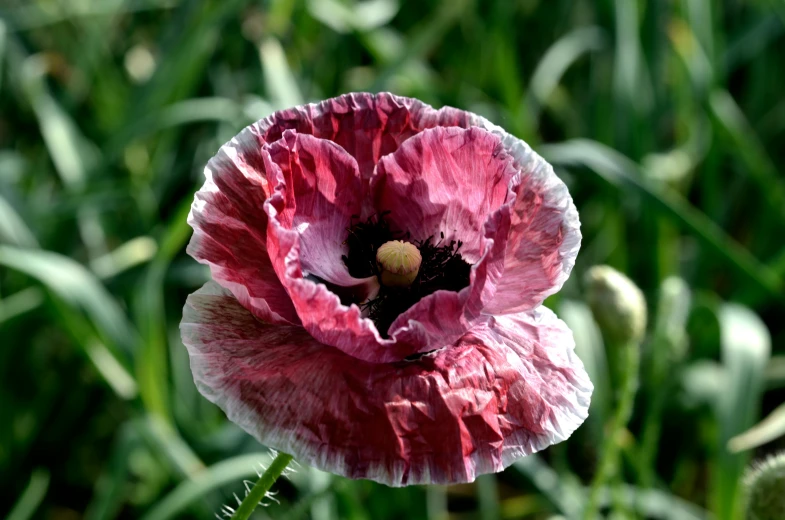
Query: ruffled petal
{"x":510,"y":387}
{"x":310,"y":212}
{"x":230,"y":228}
{"x":309,"y":216}
{"x":453,"y":183}
{"x":545,"y":235}
{"x":445,"y":180}
{"x":367,"y":126}
{"x":322,"y":193}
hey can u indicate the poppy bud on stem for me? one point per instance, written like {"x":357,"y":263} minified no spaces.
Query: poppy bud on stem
{"x":619,"y":308}
{"x":399,"y":262}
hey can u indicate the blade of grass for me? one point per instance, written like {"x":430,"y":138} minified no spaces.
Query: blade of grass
{"x":126,"y":256}
{"x":109,"y":490}
{"x":656,"y":504}
{"x":436,"y":502}
{"x":31,"y":498}
{"x":619,"y":171}
{"x":166,"y":441}
{"x":114,"y":374}
{"x":13,"y":229}
{"x":740,"y":135}
{"x":71,"y":153}
{"x":20,"y":302}
{"x":189,"y":111}
{"x":590,"y":349}
{"x":32,"y":16}
{"x":150,"y":312}
{"x":3,"y":46}
{"x":76,"y":286}
{"x":770,"y":428}
{"x":280,"y":85}
{"x":362,"y":16}
{"x":745,"y":349}
{"x":188,"y":43}
{"x":488,"y":497}
{"x":557,"y":59}
{"x":422,"y":39}
{"x":563,"y":491}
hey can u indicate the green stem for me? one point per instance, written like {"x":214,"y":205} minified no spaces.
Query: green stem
{"x":262,"y":486}
{"x":609,"y":453}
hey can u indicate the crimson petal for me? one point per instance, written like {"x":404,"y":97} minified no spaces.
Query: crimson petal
{"x":508,"y":388}
{"x":230,"y":229}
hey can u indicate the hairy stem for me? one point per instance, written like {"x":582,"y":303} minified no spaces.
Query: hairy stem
{"x":262,"y":486}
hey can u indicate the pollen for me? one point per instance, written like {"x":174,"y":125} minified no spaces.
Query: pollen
{"x":399,"y":262}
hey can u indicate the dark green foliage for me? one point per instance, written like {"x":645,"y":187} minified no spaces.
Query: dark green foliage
{"x":666,"y":119}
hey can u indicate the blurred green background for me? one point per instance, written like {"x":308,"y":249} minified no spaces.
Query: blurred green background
{"x":666,"y":118}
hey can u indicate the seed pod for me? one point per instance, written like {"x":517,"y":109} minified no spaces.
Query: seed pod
{"x":399,"y":263}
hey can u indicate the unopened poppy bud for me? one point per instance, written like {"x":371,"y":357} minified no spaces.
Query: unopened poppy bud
{"x":617,"y":304}
{"x":399,"y":262}
{"x":764,"y":484}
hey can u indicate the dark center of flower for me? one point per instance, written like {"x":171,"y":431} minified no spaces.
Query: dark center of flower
{"x":441,"y":268}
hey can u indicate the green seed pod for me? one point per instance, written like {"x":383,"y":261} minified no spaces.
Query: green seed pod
{"x":617,"y":303}
{"x":764,"y":484}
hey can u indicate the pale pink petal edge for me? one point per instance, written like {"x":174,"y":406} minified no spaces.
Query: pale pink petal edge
{"x":565,"y":419}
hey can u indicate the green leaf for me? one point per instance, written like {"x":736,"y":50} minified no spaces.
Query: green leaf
{"x":20,"y":302}
{"x":31,"y":498}
{"x":77,"y":287}
{"x":745,"y":144}
{"x":150,"y":314}
{"x":280,"y":84}
{"x":558,"y":58}
{"x":13,"y":229}
{"x":362,"y":16}
{"x":770,"y":428}
{"x":590,"y":349}
{"x":563,"y":491}
{"x":745,"y":349}
{"x":656,"y":504}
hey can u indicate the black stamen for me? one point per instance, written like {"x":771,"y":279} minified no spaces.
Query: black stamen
{"x":442,"y":268}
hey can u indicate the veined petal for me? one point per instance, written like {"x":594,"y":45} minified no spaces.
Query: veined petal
{"x":445,"y":180}
{"x":322,"y":192}
{"x":367,"y":126}
{"x":451,"y":184}
{"x":230,"y":228}
{"x":319,"y":191}
{"x":545,"y":236}
{"x":508,"y":388}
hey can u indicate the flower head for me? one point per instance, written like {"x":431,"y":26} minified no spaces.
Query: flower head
{"x":764,"y":483}
{"x":379,"y":268}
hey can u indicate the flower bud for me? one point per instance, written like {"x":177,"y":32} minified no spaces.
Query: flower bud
{"x":764,"y":484}
{"x":399,"y":262}
{"x":617,"y":304}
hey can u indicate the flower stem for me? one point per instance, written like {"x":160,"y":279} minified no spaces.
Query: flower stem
{"x":609,"y":453}
{"x":262,"y":486}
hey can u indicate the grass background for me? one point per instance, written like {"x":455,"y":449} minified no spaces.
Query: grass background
{"x":665,"y":117}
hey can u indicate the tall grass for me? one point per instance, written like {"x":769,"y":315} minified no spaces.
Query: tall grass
{"x":665,"y":117}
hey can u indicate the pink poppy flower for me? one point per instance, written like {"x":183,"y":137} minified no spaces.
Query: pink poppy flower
{"x":437,"y":378}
